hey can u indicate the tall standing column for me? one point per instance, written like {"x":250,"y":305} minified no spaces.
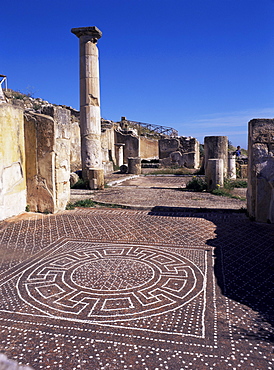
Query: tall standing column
{"x":90,"y":118}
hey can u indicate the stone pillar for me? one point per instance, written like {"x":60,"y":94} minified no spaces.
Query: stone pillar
{"x":260,"y":192}
{"x":134,"y":165}
{"x":90,"y":118}
{"x":231,"y":166}
{"x":120,"y":154}
{"x":214,"y":174}
{"x":216,"y":147}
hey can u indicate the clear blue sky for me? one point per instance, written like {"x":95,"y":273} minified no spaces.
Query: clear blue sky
{"x":204,"y":67}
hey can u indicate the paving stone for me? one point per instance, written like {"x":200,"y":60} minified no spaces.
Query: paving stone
{"x":133,"y":289}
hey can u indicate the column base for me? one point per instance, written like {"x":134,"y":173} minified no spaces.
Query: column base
{"x":96,"y":178}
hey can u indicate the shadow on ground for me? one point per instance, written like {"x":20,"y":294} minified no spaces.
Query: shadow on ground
{"x":244,"y":265}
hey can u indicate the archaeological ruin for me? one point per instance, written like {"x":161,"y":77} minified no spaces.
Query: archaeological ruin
{"x":42,"y":144}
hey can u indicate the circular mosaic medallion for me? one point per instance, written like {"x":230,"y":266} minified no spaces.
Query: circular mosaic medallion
{"x":110,"y":283}
{"x":112,"y":274}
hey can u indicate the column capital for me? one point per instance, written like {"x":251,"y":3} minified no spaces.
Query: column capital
{"x":90,"y":33}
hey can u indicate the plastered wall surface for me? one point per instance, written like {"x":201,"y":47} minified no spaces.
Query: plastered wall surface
{"x":149,"y":148}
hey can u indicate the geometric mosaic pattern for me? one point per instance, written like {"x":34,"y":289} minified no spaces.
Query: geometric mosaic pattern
{"x":114,"y":284}
{"x":121,"y":289}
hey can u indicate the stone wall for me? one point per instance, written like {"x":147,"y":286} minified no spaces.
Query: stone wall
{"x":149,"y":148}
{"x":132,"y":146}
{"x":107,"y":145}
{"x":12,"y":161}
{"x":182,"y":151}
{"x":168,"y":146}
{"x":47,"y":140}
{"x":260,"y":194}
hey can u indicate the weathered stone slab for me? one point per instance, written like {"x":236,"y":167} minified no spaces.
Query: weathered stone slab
{"x":12,"y":161}
{"x":48,"y":162}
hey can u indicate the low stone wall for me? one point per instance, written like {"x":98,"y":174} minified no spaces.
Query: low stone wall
{"x":260,"y":194}
{"x":12,"y":161}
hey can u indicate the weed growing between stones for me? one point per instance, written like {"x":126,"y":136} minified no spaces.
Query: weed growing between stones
{"x":196,"y":184}
{"x":80,"y":184}
{"x":225,"y":193}
{"x":232,"y":184}
{"x":199,"y":184}
{"x":88,"y":203}
{"x":84,"y":203}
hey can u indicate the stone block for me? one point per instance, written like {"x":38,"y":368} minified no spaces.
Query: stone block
{"x":243,"y":171}
{"x":48,"y":162}
{"x":260,"y":195}
{"x":96,"y":178}
{"x":12,"y":161}
{"x":74,"y":178}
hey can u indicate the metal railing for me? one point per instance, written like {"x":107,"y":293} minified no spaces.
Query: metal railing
{"x":158,"y":129}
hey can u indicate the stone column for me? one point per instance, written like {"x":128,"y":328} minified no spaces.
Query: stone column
{"x":90,"y":118}
{"x":120,"y":154}
{"x":214,"y":174}
{"x":231,"y":166}
{"x":134,"y":165}
{"x":216,"y":147}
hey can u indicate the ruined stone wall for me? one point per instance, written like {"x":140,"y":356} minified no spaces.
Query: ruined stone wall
{"x":12,"y":161}
{"x":132,"y":146}
{"x":47,"y":141}
{"x":260,"y":194}
{"x":167,"y":146}
{"x":149,"y":148}
{"x":182,"y":151}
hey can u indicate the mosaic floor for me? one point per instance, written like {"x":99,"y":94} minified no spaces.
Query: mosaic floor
{"x":124,"y":289}
{"x":166,"y":191}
